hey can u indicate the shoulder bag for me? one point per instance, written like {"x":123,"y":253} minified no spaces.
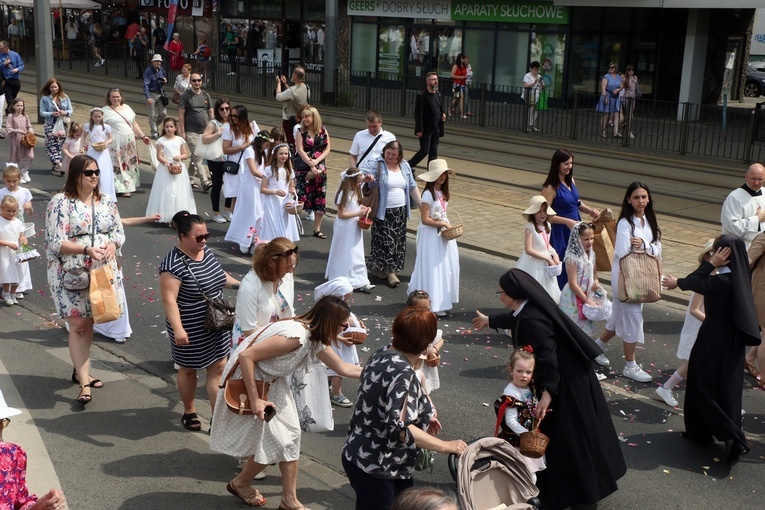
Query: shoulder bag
{"x":369,"y":149}
{"x":29,"y":140}
{"x":370,"y":197}
{"x":78,"y":279}
{"x":211,"y":151}
{"x":298,"y":163}
{"x":639,"y":278}
{"x":229,"y":166}
{"x":219,"y":315}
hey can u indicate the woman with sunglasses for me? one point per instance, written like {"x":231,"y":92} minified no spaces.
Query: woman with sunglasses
{"x":237,"y":137}
{"x":270,"y":356}
{"x":267,"y":292}
{"x":186,"y":275}
{"x":82,"y":230}
{"x":609,"y":103}
{"x":212,"y":133}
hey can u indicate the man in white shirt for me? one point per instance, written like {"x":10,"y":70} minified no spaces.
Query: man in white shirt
{"x":743,"y":212}
{"x":363,"y":153}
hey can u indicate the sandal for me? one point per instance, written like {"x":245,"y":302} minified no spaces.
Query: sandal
{"x":319,"y":234}
{"x":751,"y":369}
{"x":191,"y":422}
{"x":94,"y":383}
{"x":84,"y":398}
{"x":254,"y":499}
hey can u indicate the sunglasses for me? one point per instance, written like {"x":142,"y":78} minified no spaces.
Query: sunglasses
{"x":196,"y":80}
{"x":288,"y":253}
{"x":203,"y":237}
{"x":91,"y":173}
{"x":234,"y":115}
{"x":612,"y":67}
{"x":224,"y":108}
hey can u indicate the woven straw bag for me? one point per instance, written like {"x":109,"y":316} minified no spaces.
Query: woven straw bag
{"x":639,"y":278}
{"x":455,"y":231}
{"x":533,"y":444}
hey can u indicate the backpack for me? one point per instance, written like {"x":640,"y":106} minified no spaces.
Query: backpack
{"x":206,"y":52}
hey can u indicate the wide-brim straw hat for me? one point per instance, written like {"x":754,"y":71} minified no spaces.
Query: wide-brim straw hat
{"x":5,"y":411}
{"x":435,"y":168}
{"x":707,"y":248}
{"x":535,"y":204}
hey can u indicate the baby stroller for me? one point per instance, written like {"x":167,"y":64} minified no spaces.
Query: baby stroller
{"x":492,"y":475}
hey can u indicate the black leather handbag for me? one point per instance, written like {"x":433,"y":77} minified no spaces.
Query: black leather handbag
{"x":232,"y":168}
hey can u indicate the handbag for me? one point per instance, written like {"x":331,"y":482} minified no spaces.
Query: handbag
{"x":370,"y":197}
{"x":104,"y":298}
{"x":176,"y":98}
{"x":230,"y":167}
{"x":309,"y":388}
{"x":639,"y":278}
{"x":29,"y":140}
{"x":219,"y":315}
{"x":603,"y":245}
{"x":210,"y":151}
{"x":78,"y":278}
{"x":425,"y":460}
{"x":163,"y":98}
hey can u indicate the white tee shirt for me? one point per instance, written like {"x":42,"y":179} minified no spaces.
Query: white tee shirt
{"x":361,"y":143}
{"x":396,"y":190}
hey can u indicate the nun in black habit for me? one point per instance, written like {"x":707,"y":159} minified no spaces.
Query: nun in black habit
{"x":584,"y":457}
{"x":715,"y":379}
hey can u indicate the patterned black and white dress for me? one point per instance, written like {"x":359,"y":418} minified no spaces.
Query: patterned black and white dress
{"x":204,"y":347}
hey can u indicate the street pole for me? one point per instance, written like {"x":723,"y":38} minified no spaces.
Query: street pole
{"x":330,"y":52}
{"x":43,"y":45}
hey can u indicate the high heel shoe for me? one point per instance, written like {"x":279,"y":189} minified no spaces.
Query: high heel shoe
{"x":84,"y":398}
{"x":94,"y":383}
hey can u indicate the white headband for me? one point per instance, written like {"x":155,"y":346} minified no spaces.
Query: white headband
{"x":350,"y":176}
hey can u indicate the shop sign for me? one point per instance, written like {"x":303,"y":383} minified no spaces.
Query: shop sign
{"x":430,"y":9}
{"x":510,"y":11}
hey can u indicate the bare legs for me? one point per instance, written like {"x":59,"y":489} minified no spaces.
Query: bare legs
{"x":80,"y":338}
{"x":318,"y":217}
{"x":289,"y":472}
{"x":629,"y":348}
{"x":187,"y":385}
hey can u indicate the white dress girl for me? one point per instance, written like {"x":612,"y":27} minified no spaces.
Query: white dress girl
{"x":23,"y":196}
{"x":277,"y":222}
{"x":101,"y":133}
{"x":346,"y":253}
{"x":248,"y":213}
{"x":170,"y":193}
{"x":10,"y":270}
{"x":536,"y":267}
{"x":585,"y":276}
{"x":437,"y":265}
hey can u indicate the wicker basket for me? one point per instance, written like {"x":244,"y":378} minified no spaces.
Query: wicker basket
{"x":433,"y":361}
{"x":533,"y":444}
{"x":356,"y":335}
{"x":175,"y":168}
{"x":365,"y":222}
{"x":98,"y":146}
{"x":294,"y":207}
{"x":454,"y":231}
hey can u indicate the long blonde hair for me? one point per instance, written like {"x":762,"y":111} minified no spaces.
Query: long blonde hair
{"x":349,"y":187}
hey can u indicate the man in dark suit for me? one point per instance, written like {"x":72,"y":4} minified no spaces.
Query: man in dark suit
{"x":429,"y":120}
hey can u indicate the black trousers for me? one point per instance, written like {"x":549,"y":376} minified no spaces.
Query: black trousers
{"x":374,"y":493}
{"x":428,"y":147}
{"x":216,"y":175}
{"x":11,"y":89}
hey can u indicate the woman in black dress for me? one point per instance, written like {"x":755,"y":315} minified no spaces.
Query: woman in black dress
{"x":584,"y":459}
{"x":715,"y":380}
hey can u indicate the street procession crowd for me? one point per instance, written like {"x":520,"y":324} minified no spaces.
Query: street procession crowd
{"x":275,"y":181}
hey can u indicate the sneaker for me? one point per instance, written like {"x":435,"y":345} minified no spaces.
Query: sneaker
{"x":310,"y":216}
{"x":340,"y":401}
{"x":25,"y":177}
{"x":226,"y":215}
{"x":601,"y":377}
{"x":440,"y":314}
{"x":120,"y":340}
{"x":666,"y":396}
{"x":98,"y":64}
{"x":603,"y":361}
{"x":232,"y":73}
{"x":636,"y":373}
{"x":365,"y":288}
{"x":8,"y":299}
{"x":244,"y":249}
{"x":19,"y":295}
{"x":218,"y":218}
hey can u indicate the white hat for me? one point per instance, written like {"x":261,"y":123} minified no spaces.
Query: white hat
{"x":435,"y":168}
{"x":337,"y":287}
{"x":156,"y":58}
{"x":5,"y":411}
{"x":535,"y":204}
{"x":706,"y":249}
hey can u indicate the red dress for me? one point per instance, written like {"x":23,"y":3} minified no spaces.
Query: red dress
{"x":176,"y":55}
{"x":14,"y":493}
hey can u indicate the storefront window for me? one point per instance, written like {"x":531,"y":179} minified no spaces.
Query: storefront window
{"x":391,"y":50}
{"x":479,"y":45}
{"x":314,"y":36}
{"x":585,"y":68}
{"x":514,"y":63}
{"x":363,"y":47}
{"x":549,"y":50}
{"x":233,"y":9}
{"x":240,"y":30}
{"x":447,"y":45}
{"x":314,"y":10}
{"x":263,"y":9}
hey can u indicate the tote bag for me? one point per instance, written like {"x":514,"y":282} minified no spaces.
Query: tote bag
{"x":639,"y":278}
{"x":210,"y":151}
{"x":309,"y":388}
{"x":104,"y":298}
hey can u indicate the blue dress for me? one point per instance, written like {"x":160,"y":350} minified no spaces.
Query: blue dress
{"x":614,"y":102}
{"x":565,"y":205}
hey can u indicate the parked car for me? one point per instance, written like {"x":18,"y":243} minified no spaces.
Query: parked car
{"x":755,"y":82}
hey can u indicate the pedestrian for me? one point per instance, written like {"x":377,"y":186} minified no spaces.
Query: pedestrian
{"x":538,"y":254}
{"x":459,"y":76}
{"x":140,"y":44}
{"x":18,"y":125}
{"x":637,"y":229}
{"x":743,"y":211}
{"x":368,"y":143}
{"x":160,"y":38}
{"x":248,"y":213}
{"x":313,"y":147}
{"x":72,"y":145}
{"x":237,"y":138}
{"x":12,"y":66}
{"x":55,"y":105}
{"x":202,"y":54}
{"x":468,"y":84}
{"x":532,"y":87}
{"x":12,"y":238}
{"x":96,"y":140}
{"x":182,"y":82}
{"x":609,"y":103}
{"x":267,"y":293}
{"x":231,"y":40}
{"x":631,"y":90}
{"x":715,"y":384}
{"x":583,"y":463}
{"x":579,"y":259}
{"x":278,"y":190}
{"x":14,"y":33}
{"x":346,"y":253}
{"x":189,"y":274}
{"x":121,"y":118}
{"x":23,"y":196}
{"x":561,"y":193}
{"x":82,"y":230}
{"x":72,"y":29}
{"x":170,"y":191}
{"x":99,"y":40}
{"x":175,"y":50}
{"x":429,"y":120}
{"x":291,"y":97}
{"x":279,"y":350}
{"x":437,"y":265}
{"x":398,"y":191}
{"x":393,"y":416}
{"x":154,"y":80}
{"x":195,"y":111}
{"x":213,"y":132}
{"x":694,"y":317}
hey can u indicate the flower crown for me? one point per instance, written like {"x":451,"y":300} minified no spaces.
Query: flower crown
{"x":96,"y":109}
{"x":350,"y":176}
{"x":280,"y":145}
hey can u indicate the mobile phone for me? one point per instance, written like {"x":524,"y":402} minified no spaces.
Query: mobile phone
{"x":269,"y":412}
